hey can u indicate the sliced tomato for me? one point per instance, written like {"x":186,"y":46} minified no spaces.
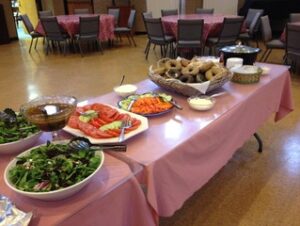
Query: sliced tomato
{"x":73,"y":122}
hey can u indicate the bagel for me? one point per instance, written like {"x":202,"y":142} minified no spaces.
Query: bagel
{"x":173,"y":73}
{"x":214,"y":73}
{"x":191,"y":69}
{"x":205,"y":66}
{"x":187,"y":78}
{"x":184,"y":62}
{"x":159,"y":70}
{"x":173,"y":64}
{"x":162,"y":62}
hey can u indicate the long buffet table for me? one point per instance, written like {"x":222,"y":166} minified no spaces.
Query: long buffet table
{"x":182,"y":150}
{"x":175,"y":157}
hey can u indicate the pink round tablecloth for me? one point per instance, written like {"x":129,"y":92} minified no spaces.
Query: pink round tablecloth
{"x":70,"y":23}
{"x":212,"y":23}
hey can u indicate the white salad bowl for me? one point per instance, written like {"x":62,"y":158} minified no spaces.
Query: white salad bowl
{"x":51,"y":195}
{"x":20,"y":145}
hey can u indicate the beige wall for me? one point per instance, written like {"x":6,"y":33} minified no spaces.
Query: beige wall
{"x":9,"y":18}
{"x":191,"y":5}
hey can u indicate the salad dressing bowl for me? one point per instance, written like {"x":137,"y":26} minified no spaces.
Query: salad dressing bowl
{"x":58,"y":194}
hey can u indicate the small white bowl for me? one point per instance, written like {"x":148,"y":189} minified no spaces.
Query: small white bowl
{"x":50,"y":195}
{"x":20,"y":145}
{"x":201,"y":103}
{"x":125,"y":90}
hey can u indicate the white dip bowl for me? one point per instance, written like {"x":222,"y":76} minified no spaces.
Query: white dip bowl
{"x":201,"y":103}
{"x":125,"y":90}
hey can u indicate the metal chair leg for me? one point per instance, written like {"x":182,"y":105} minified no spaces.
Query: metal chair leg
{"x":268,"y":55}
{"x":30,"y":45}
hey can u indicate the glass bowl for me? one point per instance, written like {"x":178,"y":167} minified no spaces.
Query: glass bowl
{"x":49,"y":113}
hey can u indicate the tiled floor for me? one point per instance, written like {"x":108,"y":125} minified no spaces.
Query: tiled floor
{"x":251,"y":190}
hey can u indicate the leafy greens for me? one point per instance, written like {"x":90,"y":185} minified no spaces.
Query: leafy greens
{"x":52,"y":167}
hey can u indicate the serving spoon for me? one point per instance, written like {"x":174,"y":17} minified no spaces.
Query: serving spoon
{"x":82,"y":143}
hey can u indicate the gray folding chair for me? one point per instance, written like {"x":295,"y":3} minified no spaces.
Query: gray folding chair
{"x":157,"y":36}
{"x":169,"y":12}
{"x":293,"y":44}
{"x":54,"y":33}
{"x":294,"y":17}
{"x":268,"y":40}
{"x":45,"y":13}
{"x":189,"y":36}
{"x":116,"y":13}
{"x":119,"y":31}
{"x":88,"y":32}
{"x":144,"y":16}
{"x":251,"y":14}
{"x":204,"y":11}
{"x":30,"y":30}
{"x":229,"y":34}
{"x":252,"y":32}
{"x":81,"y":11}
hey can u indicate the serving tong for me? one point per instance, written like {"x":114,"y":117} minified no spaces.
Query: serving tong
{"x":82,"y":143}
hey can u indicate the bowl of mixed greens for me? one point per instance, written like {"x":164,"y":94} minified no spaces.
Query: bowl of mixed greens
{"x":16,"y":133}
{"x":52,"y":171}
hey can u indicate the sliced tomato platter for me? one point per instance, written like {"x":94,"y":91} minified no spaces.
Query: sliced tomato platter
{"x":102,"y":123}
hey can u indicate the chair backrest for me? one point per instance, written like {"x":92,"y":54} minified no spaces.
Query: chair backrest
{"x":131,"y":18}
{"x":204,"y":11}
{"x":230,"y":30}
{"x":154,"y":28}
{"x":116,"y":13}
{"x":28,"y":25}
{"x":45,"y":13}
{"x":52,"y":28}
{"x":169,"y":12}
{"x":89,"y":26}
{"x":253,"y":28}
{"x":266,"y":28}
{"x":292,"y":39}
{"x":251,"y":14}
{"x":294,"y":17}
{"x":190,"y":30}
{"x":81,"y":11}
{"x":147,"y":15}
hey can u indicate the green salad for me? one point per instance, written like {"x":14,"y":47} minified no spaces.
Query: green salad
{"x":14,"y":127}
{"x":52,"y":167}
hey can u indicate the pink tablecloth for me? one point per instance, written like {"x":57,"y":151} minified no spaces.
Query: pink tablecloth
{"x":182,"y":150}
{"x":113,"y":197}
{"x":212,"y":23}
{"x":70,"y":23}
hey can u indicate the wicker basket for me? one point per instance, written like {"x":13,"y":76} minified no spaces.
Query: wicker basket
{"x":244,"y":77}
{"x":189,"y":89}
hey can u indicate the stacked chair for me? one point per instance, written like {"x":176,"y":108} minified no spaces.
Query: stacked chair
{"x":88,"y":32}
{"x":229,"y":34}
{"x":54,"y":34}
{"x":268,"y":40}
{"x":204,"y":11}
{"x":189,"y":37}
{"x":157,"y":36}
{"x":293,"y":44}
{"x":30,"y":30}
{"x":127,"y":31}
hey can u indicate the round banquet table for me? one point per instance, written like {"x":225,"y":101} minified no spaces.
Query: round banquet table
{"x":70,"y":23}
{"x":212,"y":23}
